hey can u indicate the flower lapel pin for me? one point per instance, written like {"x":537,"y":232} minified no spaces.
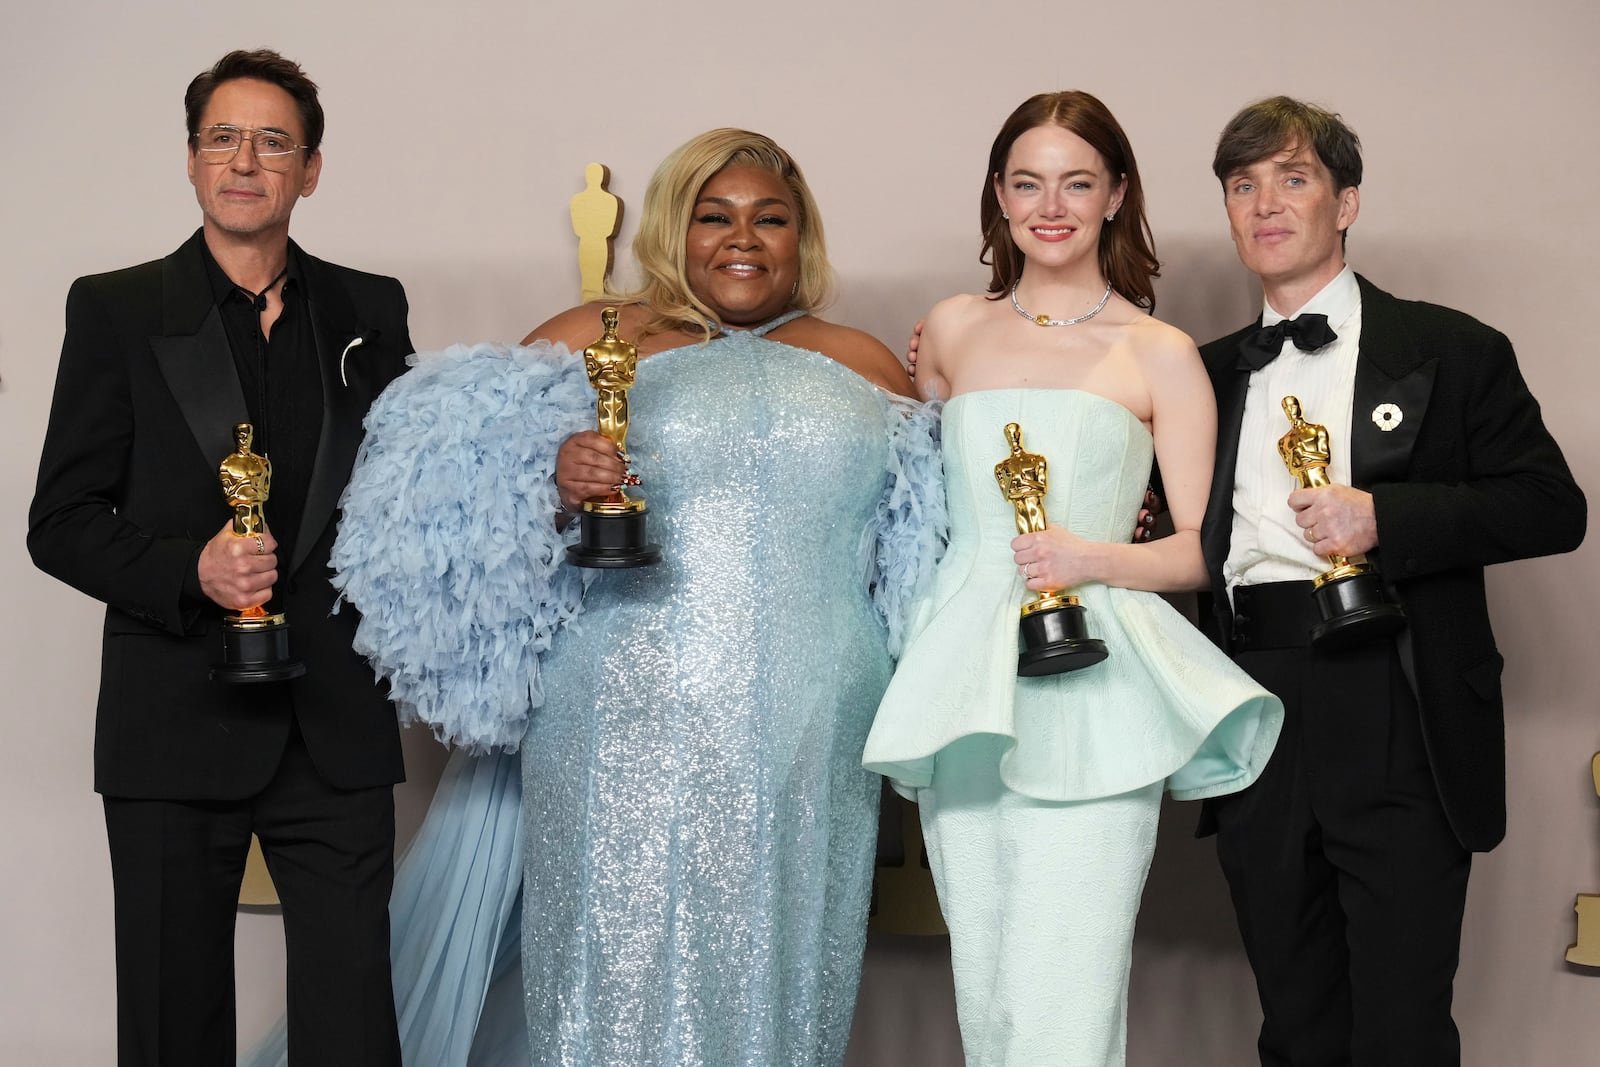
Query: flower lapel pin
{"x":355,"y":342}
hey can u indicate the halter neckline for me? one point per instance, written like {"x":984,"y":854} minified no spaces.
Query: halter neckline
{"x":758,"y":331}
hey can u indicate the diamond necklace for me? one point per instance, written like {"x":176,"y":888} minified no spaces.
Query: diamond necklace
{"x":1046,"y":320}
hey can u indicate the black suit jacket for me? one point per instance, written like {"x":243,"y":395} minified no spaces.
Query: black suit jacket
{"x":1469,"y":477}
{"x":146,"y":398}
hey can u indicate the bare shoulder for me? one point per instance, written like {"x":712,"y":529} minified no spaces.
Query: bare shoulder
{"x":1162,"y":347}
{"x":579,"y":327}
{"x":948,"y":332}
{"x":856,"y":349}
{"x":955,"y":314}
{"x":1173,"y":372}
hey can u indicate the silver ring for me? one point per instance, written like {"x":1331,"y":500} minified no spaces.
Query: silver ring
{"x":1027,"y":571}
{"x":261,"y":545}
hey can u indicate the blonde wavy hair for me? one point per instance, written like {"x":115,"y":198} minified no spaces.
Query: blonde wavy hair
{"x":659,"y":248}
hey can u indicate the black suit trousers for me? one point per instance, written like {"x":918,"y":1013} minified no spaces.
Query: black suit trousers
{"x":1347,"y":879}
{"x":177,"y":867}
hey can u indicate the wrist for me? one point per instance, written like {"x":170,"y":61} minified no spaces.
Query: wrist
{"x":1102,"y":565}
{"x":193,"y":589}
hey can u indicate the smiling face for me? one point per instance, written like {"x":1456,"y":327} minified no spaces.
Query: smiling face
{"x":1057,"y":190}
{"x":241,"y":198}
{"x":1288,"y":223}
{"x":742,"y":254}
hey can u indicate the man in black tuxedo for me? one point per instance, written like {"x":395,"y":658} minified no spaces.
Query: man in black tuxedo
{"x":1348,"y":860}
{"x":159,"y":363}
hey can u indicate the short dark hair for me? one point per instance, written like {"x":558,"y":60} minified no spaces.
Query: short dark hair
{"x":262,"y":64}
{"x":1126,"y":253}
{"x":1279,"y":123}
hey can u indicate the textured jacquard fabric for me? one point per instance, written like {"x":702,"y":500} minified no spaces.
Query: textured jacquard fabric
{"x":1039,"y":796}
{"x":1040,"y":897}
{"x":1165,"y":705}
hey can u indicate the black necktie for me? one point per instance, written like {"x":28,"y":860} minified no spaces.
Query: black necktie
{"x":1308,"y":332}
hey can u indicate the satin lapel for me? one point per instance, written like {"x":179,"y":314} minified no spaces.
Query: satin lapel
{"x":1394,"y":381}
{"x":1393,"y":378}
{"x":333,"y":324}
{"x":194,"y":356}
{"x":1216,"y":529}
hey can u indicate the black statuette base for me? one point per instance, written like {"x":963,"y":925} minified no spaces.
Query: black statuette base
{"x":256,"y":653}
{"x":612,"y":541}
{"x":1354,"y":610}
{"x":1057,"y":640}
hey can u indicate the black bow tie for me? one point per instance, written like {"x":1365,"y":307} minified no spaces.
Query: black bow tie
{"x":1308,"y":332}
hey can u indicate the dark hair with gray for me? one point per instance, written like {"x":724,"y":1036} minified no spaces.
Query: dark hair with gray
{"x":1279,"y":124}
{"x":265,"y":65}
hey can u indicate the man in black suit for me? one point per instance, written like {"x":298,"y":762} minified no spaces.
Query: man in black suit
{"x":159,"y":363}
{"x":1348,"y":860}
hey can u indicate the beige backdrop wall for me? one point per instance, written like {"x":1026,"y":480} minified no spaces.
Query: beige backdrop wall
{"x":458,"y":130}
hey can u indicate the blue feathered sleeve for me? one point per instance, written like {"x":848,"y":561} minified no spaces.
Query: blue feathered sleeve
{"x":908,"y":534}
{"x":448,"y":545}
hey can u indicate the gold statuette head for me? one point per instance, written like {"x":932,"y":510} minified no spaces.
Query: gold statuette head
{"x":611,"y":364}
{"x":246,"y":478}
{"x":1024,"y":479}
{"x":1304,"y":449}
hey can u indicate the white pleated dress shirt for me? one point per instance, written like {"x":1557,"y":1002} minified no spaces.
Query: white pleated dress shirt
{"x":1266,"y":545}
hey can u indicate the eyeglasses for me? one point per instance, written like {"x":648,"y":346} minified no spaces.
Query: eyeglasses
{"x":219,"y":144}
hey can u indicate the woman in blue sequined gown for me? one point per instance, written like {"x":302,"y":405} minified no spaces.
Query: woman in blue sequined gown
{"x":1039,"y":795}
{"x":697,"y":831}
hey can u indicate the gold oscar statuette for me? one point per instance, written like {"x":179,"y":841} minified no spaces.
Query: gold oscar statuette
{"x":255,"y":645}
{"x":1054,"y":630}
{"x":611,"y":529}
{"x":596,"y":213}
{"x":1351,"y":603}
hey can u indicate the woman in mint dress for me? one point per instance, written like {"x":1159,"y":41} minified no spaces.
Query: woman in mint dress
{"x":1039,"y":795}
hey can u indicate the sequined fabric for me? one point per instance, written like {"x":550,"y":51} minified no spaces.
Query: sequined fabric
{"x":698,"y":830}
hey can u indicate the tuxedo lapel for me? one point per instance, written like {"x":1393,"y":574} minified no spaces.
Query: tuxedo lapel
{"x":193,"y":354}
{"x":335,"y":328}
{"x":1230,"y":384}
{"x":1394,"y":381}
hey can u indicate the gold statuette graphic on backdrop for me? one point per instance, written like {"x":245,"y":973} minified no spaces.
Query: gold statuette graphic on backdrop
{"x":1054,"y":631}
{"x":1351,"y":603}
{"x":596,"y":214}
{"x":1585,"y":952}
{"x":255,"y":645}
{"x":611,"y":530}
